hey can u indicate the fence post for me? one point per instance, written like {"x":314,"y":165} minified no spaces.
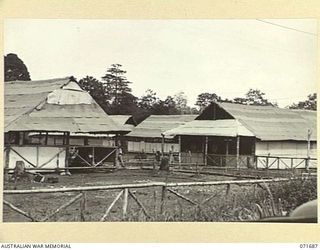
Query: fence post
{"x":125,"y":204}
{"x":163,"y":197}
{"x":155,"y":203}
{"x":228,"y":189}
{"x":83,"y":205}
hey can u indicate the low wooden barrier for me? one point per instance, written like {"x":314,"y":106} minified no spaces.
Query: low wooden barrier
{"x":125,"y":193}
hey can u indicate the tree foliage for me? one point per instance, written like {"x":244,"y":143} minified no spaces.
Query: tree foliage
{"x":309,"y":104}
{"x":204,"y":99}
{"x":96,"y":89}
{"x":254,"y":97}
{"x":15,"y":69}
{"x":181,"y":103}
{"x":166,"y":107}
{"x":148,"y":100}
{"x":117,"y":87}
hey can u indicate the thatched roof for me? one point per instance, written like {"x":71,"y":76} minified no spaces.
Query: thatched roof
{"x":267,"y":123}
{"x":54,"y":105}
{"x":155,"y":125}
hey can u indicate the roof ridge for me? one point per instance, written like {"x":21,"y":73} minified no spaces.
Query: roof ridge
{"x":43,"y":80}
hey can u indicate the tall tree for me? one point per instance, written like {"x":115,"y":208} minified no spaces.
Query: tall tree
{"x":254,"y":97}
{"x":181,"y":102}
{"x":166,"y":107}
{"x":204,"y":99}
{"x":310,"y":103}
{"x":117,"y":87}
{"x":148,"y":100}
{"x":15,"y":69}
{"x":96,"y":89}
{"x":115,"y":83}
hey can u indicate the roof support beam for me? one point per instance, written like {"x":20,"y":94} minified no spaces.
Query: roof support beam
{"x":206,"y":151}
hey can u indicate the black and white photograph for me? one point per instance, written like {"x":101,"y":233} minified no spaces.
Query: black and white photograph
{"x":195,"y":120}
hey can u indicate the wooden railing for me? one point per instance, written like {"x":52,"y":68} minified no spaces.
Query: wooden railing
{"x":125,"y":192}
{"x":284,"y":162}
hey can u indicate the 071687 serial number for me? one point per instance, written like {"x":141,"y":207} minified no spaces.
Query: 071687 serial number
{"x":310,"y":246}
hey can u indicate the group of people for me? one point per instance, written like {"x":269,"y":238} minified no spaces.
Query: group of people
{"x":163,"y":161}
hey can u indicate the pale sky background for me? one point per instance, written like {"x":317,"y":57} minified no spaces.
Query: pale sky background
{"x":226,"y":57}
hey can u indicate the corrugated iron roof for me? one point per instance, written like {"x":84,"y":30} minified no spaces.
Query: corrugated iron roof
{"x":154,"y":125}
{"x":21,"y":97}
{"x":228,"y":127}
{"x":120,"y":119}
{"x":272,"y":123}
{"x":124,"y":120}
{"x":26,"y":109}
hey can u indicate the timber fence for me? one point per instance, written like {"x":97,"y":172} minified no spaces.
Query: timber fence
{"x":124,"y":192}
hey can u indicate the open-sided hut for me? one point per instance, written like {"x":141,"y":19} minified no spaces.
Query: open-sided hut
{"x":147,"y":136}
{"x":246,"y":135}
{"x":48,"y":121}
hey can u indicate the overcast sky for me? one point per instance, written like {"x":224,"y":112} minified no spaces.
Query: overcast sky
{"x":226,"y":57}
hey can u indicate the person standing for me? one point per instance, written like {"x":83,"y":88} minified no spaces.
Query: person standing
{"x":120,"y":156}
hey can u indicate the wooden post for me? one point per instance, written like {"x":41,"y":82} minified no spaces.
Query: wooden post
{"x":144,"y":210}
{"x":37,"y":156}
{"x":163,"y":197}
{"x":227,"y":147}
{"x":7,"y":157}
{"x":125,"y":204}
{"x":206,"y":151}
{"x":21,"y":138}
{"x":18,"y":210}
{"x":116,"y":160}
{"x":227,"y":154}
{"x":162,"y":145}
{"x":228,"y":189}
{"x":278,"y":163}
{"x":58,"y":160}
{"x":92,"y":160}
{"x":238,"y":151}
{"x":67,"y":151}
{"x":111,"y":206}
{"x":155,"y":203}
{"x":179,"y":139}
{"x":308,"y":150}
{"x":83,"y":205}
{"x":46,"y":139}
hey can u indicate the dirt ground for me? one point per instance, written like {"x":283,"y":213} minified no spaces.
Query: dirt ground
{"x":109,"y":177}
{"x":40,"y":205}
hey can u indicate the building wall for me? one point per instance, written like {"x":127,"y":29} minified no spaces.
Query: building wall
{"x":285,"y":149}
{"x":150,"y":147}
{"x":52,"y":157}
{"x":290,"y":149}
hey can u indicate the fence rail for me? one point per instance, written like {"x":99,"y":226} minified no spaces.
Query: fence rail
{"x":125,"y":193}
{"x":260,"y":161}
